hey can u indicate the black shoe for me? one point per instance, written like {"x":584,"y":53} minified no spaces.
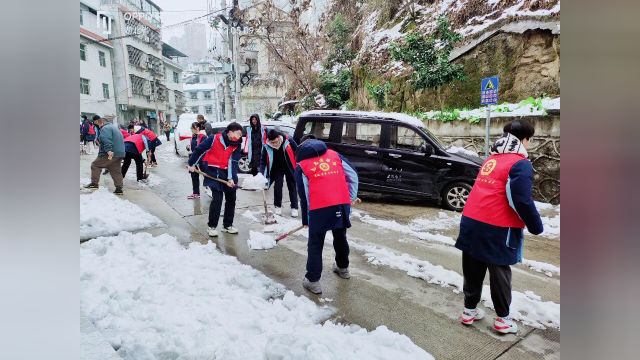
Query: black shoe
{"x":91,"y":186}
{"x":118,"y":191}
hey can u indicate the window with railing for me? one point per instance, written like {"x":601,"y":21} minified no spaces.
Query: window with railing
{"x":138,"y":85}
{"x":136,"y":56}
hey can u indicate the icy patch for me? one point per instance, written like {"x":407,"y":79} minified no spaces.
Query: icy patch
{"x":152,"y":298}
{"x":526,"y":307}
{"x":102,"y":213}
{"x":260,"y":241}
{"x":249,"y":215}
{"x":541,"y":267}
{"x":406,"y":229}
{"x":254,"y":182}
{"x":444,"y":221}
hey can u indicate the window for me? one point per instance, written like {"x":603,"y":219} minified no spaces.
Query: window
{"x":193,"y":95}
{"x":207,"y":109}
{"x":207,"y":94}
{"x":83,"y":52}
{"x":105,"y":90}
{"x":84,"y":86}
{"x":403,"y":138}
{"x":81,"y":20}
{"x":320,"y":130}
{"x":102,"y":58}
{"x":176,"y":78}
{"x":361,"y":134}
{"x":194,"y":109}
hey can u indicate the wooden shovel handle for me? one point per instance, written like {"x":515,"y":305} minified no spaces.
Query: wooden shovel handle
{"x":280,"y":237}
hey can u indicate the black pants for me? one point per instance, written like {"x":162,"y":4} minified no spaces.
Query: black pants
{"x":195,"y":182}
{"x":139,"y":163}
{"x":167,"y":134}
{"x":254,"y":171}
{"x":216,"y":206}
{"x":152,"y":159}
{"x":314,"y":252}
{"x":277,"y":178}
{"x":499,"y":282}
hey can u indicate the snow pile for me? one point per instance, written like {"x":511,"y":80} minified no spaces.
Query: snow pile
{"x":102,"y":213}
{"x":541,"y":267}
{"x":518,"y":10}
{"x":406,"y":229}
{"x":445,"y":220}
{"x":459,"y":150}
{"x":526,"y":307}
{"x":550,"y":215}
{"x":254,"y":182}
{"x":505,"y":110}
{"x":260,"y":241}
{"x":151,"y":298}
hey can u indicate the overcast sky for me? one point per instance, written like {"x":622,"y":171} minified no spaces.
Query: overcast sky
{"x":175,"y":11}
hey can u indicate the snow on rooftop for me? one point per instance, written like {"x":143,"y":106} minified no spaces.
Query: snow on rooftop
{"x":407,"y":119}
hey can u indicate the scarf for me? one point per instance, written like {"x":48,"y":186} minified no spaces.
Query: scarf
{"x":509,"y":144}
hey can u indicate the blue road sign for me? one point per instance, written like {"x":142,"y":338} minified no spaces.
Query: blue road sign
{"x":489,"y":91}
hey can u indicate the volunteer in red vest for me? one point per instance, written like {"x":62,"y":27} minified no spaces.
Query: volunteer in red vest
{"x":218,"y":157}
{"x":327,"y":185}
{"x":197,"y":136}
{"x":256,"y":138}
{"x":134,"y":146}
{"x":154,"y":142}
{"x":277,"y":163}
{"x":491,"y":235}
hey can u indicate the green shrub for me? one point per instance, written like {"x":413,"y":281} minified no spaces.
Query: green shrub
{"x":378,"y":92}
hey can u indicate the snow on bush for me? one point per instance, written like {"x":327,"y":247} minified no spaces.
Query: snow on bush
{"x":526,"y":307}
{"x":102,"y":213}
{"x":154,"y":299}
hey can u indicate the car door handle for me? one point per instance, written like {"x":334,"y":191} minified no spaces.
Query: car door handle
{"x":395,"y":156}
{"x":371,"y":152}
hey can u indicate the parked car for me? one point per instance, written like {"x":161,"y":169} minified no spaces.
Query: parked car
{"x":394,"y":154}
{"x":243,"y":164}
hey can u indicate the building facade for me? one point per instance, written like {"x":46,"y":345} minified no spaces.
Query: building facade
{"x":97,"y":91}
{"x":138,"y":66}
{"x":176,"y":102}
{"x":203,"y":89}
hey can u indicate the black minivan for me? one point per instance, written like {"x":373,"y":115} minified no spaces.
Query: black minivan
{"x":394,"y":154}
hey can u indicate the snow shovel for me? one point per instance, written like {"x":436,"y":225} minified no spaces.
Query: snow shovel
{"x":212,"y":178}
{"x":268,"y":217}
{"x":145,"y":176}
{"x":282,"y":236}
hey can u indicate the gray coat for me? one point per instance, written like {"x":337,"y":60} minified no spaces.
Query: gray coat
{"x":111,"y":140}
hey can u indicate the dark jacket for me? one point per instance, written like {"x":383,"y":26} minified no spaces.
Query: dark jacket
{"x":331,"y":217}
{"x":200,"y":150}
{"x":254,"y":141}
{"x":86,"y":125}
{"x":288,"y":149}
{"x":503,"y":245}
{"x":206,"y":126}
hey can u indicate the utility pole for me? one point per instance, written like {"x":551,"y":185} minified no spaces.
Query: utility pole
{"x":226,"y":89}
{"x":235,"y":22}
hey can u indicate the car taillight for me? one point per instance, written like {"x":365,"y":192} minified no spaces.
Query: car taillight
{"x":184,"y":137}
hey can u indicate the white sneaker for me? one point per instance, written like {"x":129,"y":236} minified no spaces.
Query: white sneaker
{"x":314,"y":286}
{"x":230,"y":230}
{"x":212,"y":232}
{"x":505,"y":326}
{"x":294,"y":212}
{"x":470,"y":315}
{"x":278,"y":211}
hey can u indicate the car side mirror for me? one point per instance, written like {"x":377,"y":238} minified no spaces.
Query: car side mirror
{"x":427,"y":149}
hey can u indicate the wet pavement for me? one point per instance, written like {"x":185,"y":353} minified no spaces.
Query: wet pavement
{"x":376,"y":294}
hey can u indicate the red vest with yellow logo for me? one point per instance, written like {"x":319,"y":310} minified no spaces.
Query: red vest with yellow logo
{"x":136,"y":139}
{"x":488,"y":201}
{"x":219,"y":154}
{"x":327,"y":181}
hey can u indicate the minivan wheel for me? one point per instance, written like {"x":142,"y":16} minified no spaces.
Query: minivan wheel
{"x":455,"y":195}
{"x":244,"y":165}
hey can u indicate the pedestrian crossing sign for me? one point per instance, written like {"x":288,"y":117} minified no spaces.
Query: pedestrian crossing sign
{"x":489,"y":91}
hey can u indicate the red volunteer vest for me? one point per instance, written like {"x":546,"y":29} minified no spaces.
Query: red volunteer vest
{"x":149,"y":134}
{"x":92,"y":130}
{"x":488,"y":200}
{"x":125,"y":134}
{"x":218,"y":155}
{"x":327,"y":181}
{"x":136,"y":139}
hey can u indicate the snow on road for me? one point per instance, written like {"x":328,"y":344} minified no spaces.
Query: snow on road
{"x":260,"y":241}
{"x":152,"y":298}
{"x":526,"y":307}
{"x":407,"y":229}
{"x":102,"y":213}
